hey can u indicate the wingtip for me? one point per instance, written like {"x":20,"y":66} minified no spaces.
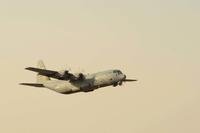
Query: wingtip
{"x":28,"y":68}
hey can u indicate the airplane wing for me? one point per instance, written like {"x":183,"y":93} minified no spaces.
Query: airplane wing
{"x":55,"y":74}
{"x":41,"y":71}
{"x":48,"y":73}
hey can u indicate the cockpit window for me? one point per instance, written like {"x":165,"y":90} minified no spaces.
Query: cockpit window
{"x":120,"y":72}
{"x":117,"y":71}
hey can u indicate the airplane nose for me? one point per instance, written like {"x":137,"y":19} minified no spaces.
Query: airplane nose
{"x":124,"y":77}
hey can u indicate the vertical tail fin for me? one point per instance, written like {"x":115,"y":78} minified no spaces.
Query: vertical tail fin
{"x":40,"y":78}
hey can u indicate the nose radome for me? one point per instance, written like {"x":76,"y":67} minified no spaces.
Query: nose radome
{"x":124,"y":77}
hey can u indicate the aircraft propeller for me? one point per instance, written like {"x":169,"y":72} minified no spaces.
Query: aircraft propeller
{"x":126,"y":80}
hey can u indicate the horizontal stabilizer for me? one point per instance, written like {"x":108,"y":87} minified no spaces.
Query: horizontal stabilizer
{"x":32,"y":84}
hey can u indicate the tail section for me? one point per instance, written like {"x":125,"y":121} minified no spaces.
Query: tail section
{"x":32,"y":84}
{"x":40,"y":78}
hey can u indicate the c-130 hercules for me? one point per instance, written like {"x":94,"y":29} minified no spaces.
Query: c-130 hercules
{"x":68,"y":83}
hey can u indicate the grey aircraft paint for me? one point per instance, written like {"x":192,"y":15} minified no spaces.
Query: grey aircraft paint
{"x":72,"y":83}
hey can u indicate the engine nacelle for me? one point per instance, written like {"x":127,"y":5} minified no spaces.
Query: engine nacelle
{"x":64,"y":75}
{"x":86,"y":87}
{"x":77,"y":76}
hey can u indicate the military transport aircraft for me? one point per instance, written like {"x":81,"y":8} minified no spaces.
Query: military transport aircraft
{"x":67,"y":83}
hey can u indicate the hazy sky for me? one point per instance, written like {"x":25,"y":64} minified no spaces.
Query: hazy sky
{"x":154,"y":41}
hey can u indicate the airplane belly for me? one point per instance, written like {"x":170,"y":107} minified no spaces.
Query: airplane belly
{"x":61,"y":86}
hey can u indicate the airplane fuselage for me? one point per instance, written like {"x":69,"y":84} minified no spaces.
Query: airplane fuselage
{"x":90,"y":83}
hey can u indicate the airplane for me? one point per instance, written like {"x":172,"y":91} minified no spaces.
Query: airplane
{"x":67,"y":83}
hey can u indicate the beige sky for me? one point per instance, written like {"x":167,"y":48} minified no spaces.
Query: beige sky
{"x":155,"y":41}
